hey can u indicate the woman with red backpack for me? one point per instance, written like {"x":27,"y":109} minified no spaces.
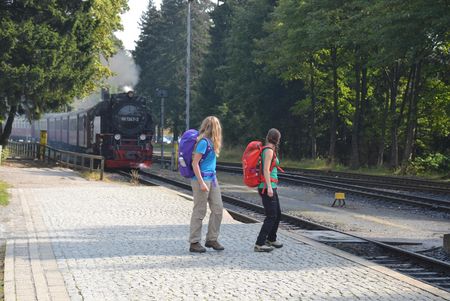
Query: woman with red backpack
{"x":267,"y":238}
{"x":205,"y":186}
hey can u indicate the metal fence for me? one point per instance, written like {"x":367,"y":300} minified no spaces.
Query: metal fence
{"x":36,"y":151}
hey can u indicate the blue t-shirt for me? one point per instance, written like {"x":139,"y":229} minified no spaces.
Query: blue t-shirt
{"x":208,"y":164}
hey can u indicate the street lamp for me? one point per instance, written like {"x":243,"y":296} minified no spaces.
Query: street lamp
{"x":188,"y":63}
{"x":162,"y":94}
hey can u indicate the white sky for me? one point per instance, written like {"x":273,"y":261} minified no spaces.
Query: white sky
{"x":130,"y":22}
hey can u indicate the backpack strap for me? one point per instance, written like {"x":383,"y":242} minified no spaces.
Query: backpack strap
{"x":274,"y":157}
{"x":272,"y":165}
{"x":208,"y":148}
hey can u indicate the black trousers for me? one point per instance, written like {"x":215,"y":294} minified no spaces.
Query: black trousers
{"x":273,"y":216}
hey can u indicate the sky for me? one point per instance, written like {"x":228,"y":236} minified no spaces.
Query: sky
{"x":130,"y":22}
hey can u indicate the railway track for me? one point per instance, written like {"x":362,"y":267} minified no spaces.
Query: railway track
{"x":432,"y":271}
{"x":386,"y":182}
{"x":401,"y":183}
{"x":367,"y":190}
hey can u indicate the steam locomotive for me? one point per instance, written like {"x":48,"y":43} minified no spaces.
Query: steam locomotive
{"x":120,"y":128}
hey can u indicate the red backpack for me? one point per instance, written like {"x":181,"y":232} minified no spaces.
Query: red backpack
{"x":251,"y":164}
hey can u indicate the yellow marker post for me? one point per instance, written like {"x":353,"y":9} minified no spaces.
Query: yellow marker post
{"x":43,"y":144}
{"x":339,"y":197}
{"x":175,"y":149}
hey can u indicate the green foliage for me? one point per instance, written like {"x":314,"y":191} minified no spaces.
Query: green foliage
{"x":4,"y":154}
{"x":370,"y":35}
{"x":436,"y":162}
{"x":160,"y":53}
{"x":4,"y":196}
{"x":52,"y":51}
{"x":208,"y":100}
{"x":235,"y":84}
{"x":367,"y":80}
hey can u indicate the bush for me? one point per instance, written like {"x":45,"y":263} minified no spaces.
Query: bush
{"x":4,"y":154}
{"x":432,"y":163}
{"x":4,"y":196}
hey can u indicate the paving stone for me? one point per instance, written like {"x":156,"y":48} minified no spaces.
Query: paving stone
{"x":106,"y":241}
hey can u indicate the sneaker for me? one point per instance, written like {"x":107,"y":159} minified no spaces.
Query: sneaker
{"x":263,"y":248}
{"x":215,"y":245}
{"x":275,"y":244}
{"x":197,"y":248}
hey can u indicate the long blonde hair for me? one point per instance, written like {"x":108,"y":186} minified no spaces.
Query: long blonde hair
{"x":212,"y":130}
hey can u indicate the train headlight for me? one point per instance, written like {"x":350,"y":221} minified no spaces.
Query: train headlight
{"x":117,"y":136}
{"x":142,"y":137}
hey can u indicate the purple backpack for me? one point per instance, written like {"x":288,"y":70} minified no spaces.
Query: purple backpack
{"x":185,"y":150}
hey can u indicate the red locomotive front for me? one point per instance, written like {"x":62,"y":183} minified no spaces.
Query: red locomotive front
{"x":125,"y":132}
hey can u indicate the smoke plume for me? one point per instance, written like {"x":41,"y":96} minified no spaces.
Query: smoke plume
{"x":127,"y":72}
{"x":125,"y":78}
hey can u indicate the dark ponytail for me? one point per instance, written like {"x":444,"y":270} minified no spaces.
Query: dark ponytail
{"x":273,"y":136}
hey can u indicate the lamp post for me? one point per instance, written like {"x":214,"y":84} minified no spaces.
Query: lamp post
{"x":162,"y":94}
{"x":188,"y":63}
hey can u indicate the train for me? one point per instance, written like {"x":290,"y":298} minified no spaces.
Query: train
{"x":119,"y":127}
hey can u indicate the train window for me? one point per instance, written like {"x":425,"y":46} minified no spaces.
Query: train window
{"x":97,"y":125}
{"x":37,"y":129}
{"x":66,"y":129}
{"x":82,"y":130}
{"x":73,"y":123}
{"x":51,"y":129}
{"x":43,"y":124}
{"x":58,"y":129}
{"x":73,"y":130}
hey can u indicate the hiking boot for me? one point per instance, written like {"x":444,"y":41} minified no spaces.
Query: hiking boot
{"x":215,"y":245}
{"x":263,"y":248}
{"x":275,"y":244}
{"x":197,"y":248}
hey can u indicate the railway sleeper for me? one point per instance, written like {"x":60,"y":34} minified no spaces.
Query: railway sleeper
{"x":398,"y":265}
{"x":384,"y":260}
{"x":377,"y":257}
{"x":414,"y":270}
{"x":438,"y":280}
{"x":421,"y":274}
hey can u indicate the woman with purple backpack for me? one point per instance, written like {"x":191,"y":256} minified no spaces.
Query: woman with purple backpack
{"x":205,"y":186}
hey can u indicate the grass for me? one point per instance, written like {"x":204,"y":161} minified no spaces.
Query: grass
{"x":235,"y":155}
{"x":167,"y":148}
{"x":4,"y":196}
{"x":231,"y":155}
{"x":4,"y":154}
{"x":91,"y":175}
{"x":134,"y":174}
{"x":2,"y":271}
{"x":4,"y":200}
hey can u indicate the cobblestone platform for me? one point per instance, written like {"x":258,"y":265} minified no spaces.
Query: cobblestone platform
{"x":72,"y":239}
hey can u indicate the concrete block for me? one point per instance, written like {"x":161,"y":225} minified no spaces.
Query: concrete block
{"x":446,"y":244}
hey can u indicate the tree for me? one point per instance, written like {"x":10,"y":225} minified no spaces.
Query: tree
{"x":52,"y":53}
{"x":209,"y":99}
{"x":252,"y":99}
{"x":161,"y":54}
{"x":302,"y":33}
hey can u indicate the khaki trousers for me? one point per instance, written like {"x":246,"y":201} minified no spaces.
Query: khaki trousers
{"x":214,"y":198}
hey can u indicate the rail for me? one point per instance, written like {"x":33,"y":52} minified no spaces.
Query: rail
{"x":36,"y":151}
{"x":427,"y":269}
